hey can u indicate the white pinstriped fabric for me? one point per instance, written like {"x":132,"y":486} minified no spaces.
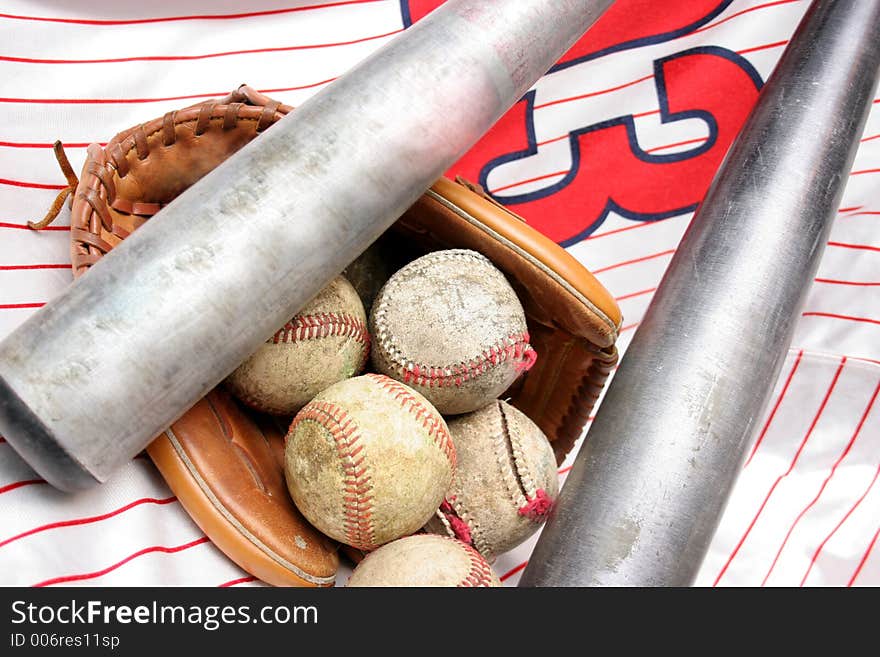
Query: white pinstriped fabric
{"x":806,"y":509}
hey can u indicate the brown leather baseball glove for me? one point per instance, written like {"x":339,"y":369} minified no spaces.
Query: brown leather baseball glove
{"x":223,"y":460}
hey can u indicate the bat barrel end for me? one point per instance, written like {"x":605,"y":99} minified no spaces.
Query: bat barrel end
{"x":37,"y":445}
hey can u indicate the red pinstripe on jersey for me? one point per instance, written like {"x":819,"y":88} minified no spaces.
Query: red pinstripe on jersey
{"x":848,"y":318}
{"x":513,"y":571}
{"x":172,"y":58}
{"x":632,"y":295}
{"x":812,"y":502}
{"x":835,"y":282}
{"x":87,"y":520}
{"x":673,"y":145}
{"x":528,"y":180}
{"x":239,"y":580}
{"x":594,"y":93}
{"x":782,"y":393}
{"x":596,"y":236}
{"x":195,"y":17}
{"x":30,"y":144}
{"x":19,"y":306}
{"x":20,"y":484}
{"x":25,"y":227}
{"x":766,"y":46}
{"x":634,"y":261}
{"x":31,"y":267}
{"x":34,"y":185}
{"x":840,"y":524}
{"x":111,"y":101}
{"x":785,"y":474}
{"x":100,"y":573}
{"x":864,"y":559}
{"x":741,"y":13}
{"x":863,"y":247}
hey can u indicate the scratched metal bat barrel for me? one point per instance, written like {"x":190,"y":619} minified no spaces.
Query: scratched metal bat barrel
{"x":102,"y":369}
{"x":648,"y":487}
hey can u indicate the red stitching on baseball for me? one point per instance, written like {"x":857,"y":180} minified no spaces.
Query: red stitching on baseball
{"x":358,"y":521}
{"x":537,"y":507}
{"x":322,"y":325}
{"x":479,"y":574}
{"x":429,"y":418}
{"x":458,"y":526}
{"x":514,"y":347}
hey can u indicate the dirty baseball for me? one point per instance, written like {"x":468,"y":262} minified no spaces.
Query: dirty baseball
{"x":505,"y":482}
{"x":368,"y":460}
{"x":325,"y":343}
{"x":424,"y":560}
{"x":450,"y":325}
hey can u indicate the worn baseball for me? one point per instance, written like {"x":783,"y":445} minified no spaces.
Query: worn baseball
{"x":424,"y":560}
{"x":450,"y":325}
{"x":505,"y":483}
{"x":325,"y":343}
{"x":368,"y":460}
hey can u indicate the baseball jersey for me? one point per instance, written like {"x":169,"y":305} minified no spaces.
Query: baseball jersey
{"x":608,"y":154}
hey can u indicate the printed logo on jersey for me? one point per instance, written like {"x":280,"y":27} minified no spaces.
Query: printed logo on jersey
{"x":564,"y":156}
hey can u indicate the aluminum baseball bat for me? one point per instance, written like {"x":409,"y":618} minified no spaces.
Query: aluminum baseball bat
{"x":649,"y":485}
{"x":98,"y":372}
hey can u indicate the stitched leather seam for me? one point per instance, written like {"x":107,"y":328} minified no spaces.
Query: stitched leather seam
{"x":231,"y":519}
{"x":429,"y":418}
{"x":536,"y":503}
{"x":514,"y":347}
{"x":520,"y":470}
{"x":322,"y":325}
{"x":112,"y":166}
{"x":587,"y":392}
{"x":218,"y":119}
{"x":507,"y":464}
{"x":450,"y":513}
{"x":357,"y":497}
{"x":479,"y":572}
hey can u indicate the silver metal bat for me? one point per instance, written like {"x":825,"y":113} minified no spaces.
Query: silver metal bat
{"x":99,"y":371}
{"x":649,"y":485}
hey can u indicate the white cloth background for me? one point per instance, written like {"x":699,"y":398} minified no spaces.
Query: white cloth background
{"x":806,"y":508}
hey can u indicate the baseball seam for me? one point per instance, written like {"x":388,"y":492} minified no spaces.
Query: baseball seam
{"x":533,"y":502}
{"x":312,"y":327}
{"x":479,"y":573}
{"x":507,"y":463}
{"x":430,"y":420}
{"x":514,"y":347}
{"x":452,"y":510}
{"x":322,"y":325}
{"x":357,"y":498}
{"x":520,"y":468}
